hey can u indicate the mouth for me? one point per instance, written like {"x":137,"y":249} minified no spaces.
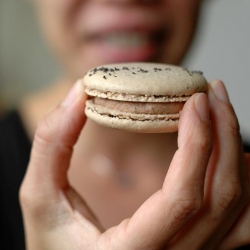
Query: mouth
{"x":128,"y":45}
{"x":126,"y":39}
{"x":116,"y":34}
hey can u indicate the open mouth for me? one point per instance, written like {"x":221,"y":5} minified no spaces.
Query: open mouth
{"x":128,"y":45}
{"x":127,"y":39}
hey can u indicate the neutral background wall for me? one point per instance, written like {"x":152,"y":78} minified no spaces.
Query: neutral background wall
{"x":222,"y":50}
{"x":25,"y":62}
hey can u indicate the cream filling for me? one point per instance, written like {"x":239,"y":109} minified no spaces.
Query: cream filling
{"x":133,"y":97}
{"x":109,"y":113}
{"x":140,"y":107}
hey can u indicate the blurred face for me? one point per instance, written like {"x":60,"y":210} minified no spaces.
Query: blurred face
{"x":87,"y":33}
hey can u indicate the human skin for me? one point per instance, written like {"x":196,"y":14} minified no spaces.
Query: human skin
{"x":58,"y":179}
{"x":188,"y":205}
{"x":79,"y":31}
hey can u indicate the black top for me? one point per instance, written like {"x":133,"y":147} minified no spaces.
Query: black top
{"x":14,"y":156}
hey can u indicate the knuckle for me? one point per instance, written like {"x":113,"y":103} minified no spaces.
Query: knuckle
{"x":48,"y":127}
{"x":27,"y":199}
{"x":185,"y":208}
{"x":202,"y":143}
{"x":29,"y":202}
{"x":35,"y":206}
{"x":205,"y":144}
{"x":228,"y":196}
{"x":54,"y":127}
{"x":24,"y":198}
{"x":45,"y":130}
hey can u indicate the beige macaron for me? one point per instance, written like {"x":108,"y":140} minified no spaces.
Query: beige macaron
{"x":140,"y":97}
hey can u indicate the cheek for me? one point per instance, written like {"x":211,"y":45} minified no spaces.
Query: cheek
{"x":185,"y":11}
{"x":182,"y":23}
{"x":61,"y":4}
{"x":184,"y":16}
{"x":56,"y":17}
{"x":57,"y":10}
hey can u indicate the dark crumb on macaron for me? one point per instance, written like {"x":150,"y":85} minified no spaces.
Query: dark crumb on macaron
{"x":157,"y":69}
{"x":192,"y":72}
{"x":143,"y":70}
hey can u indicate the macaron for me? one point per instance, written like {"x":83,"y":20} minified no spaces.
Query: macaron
{"x":140,"y":97}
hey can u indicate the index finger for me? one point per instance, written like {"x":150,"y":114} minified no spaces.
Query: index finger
{"x":53,"y":144}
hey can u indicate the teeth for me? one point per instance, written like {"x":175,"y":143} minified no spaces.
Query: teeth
{"x":126,"y":39}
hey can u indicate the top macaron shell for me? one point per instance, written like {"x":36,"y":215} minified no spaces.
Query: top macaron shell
{"x":148,"y":79}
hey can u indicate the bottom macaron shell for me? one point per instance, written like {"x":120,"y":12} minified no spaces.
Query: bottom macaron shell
{"x":130,"y":124}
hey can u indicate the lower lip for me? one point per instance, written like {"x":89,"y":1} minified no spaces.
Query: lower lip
{"x":114,"y":54}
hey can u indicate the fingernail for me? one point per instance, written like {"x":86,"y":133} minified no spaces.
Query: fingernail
{"x":201,"y":105}
{"x":73,"y":94}
{"x":220,"y":91}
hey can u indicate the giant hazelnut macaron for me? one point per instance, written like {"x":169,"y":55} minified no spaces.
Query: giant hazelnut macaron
{"x":140,"y":97}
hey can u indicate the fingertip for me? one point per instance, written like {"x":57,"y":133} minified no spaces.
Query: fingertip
{"x":222,"y":111}
{"x":195,"y":120}
{"x":196,"y":109}
{"x":202,"y":106}
{"x":76,"y":92}
{"x":220,"y":91}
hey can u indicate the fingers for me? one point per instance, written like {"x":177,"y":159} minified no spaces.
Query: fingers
{"x":239,"y":235}
{"x":230,"y":179}
{"x":52,"y":149}
{"x":166,"y":212}
{"x":228,"y":150}
{"x":226,"y":182}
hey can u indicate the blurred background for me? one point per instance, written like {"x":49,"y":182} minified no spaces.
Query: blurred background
{"x":221,"y":50}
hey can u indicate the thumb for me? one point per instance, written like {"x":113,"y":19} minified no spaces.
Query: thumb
{"x":166,"y":212}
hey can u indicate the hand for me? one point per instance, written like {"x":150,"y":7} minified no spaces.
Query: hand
{"x":204,"y":194}
{"x":223,"y":220}
{"x":239,"y":234}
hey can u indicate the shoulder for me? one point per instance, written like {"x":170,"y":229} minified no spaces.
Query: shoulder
{"x":12,"y":131}
{"x":14,"y":143}
{"x":14,"y":156}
